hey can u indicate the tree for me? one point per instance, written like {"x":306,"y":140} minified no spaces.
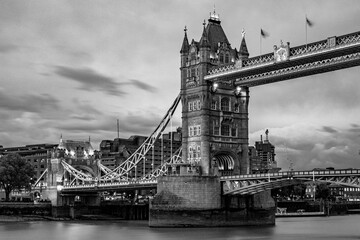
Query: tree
{"x":15,"y":173}
{"x":323,"y":191}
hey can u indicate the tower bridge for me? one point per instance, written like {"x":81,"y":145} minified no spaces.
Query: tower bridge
{"x":210,"y":174}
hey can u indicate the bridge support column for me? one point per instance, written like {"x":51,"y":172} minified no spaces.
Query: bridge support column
{"x":196,"y":201}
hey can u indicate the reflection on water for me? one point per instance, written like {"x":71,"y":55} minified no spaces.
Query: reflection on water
{"x":329,"y":228}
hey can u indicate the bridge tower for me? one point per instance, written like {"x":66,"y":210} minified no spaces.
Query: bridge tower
{"x":214,"y":142}
{"x":75,"y":156}
{"x":214,"y":114}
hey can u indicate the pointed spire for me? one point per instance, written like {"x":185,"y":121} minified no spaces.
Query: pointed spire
{"x":243,"y":51}
{"x":214,"y":17}
{"x":185,"y":44}
{"x":61,"y":138}
{"x":204,"y":41}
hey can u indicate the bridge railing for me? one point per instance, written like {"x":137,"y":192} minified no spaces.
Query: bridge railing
{"x":294,"y":174}
{"x":110,"y":184}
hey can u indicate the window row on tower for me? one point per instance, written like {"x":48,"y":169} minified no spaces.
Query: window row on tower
{"x":194,"y":105}
{"x":194,"y":153}
{"x":225,"y":130}
{"x":194,"y":131}
{"x":225,"y":105}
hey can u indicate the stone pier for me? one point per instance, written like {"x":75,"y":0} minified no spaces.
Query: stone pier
{"x":196,"y":201}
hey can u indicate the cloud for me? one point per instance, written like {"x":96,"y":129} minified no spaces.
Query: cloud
{"x":91,"y":80}
{"x":6,"y":48}
{"x":328,"y":129}
{"x":307,"y":148}
{"x":28,"y":103}
{"x":142,"y":85}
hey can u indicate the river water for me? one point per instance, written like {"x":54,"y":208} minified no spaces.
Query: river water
{"x":329,"y":228}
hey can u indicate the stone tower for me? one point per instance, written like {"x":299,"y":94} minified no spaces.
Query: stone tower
{"x":214,"y":114}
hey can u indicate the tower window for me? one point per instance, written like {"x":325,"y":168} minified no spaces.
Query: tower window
{"x":213,"y":104}
{"x":221,"y":58}
{"x":226,"y":58}
{"x":225,"y":104}
{"x":233,"y":132}
{"x":225,"y":130}
{"x":216,"y":131}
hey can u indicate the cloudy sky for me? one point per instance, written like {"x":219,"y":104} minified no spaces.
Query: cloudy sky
{"x":74,"y":67}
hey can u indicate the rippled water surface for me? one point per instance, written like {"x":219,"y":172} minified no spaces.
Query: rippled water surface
{"x":337,"y":227}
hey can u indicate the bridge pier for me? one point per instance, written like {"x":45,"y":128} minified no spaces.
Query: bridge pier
{"x":196,"y":201}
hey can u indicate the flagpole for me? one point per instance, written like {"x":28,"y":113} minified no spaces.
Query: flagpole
{"x":306,"y":32}
{"x":260,"y":41}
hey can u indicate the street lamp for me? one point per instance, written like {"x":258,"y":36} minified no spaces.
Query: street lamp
{"x":214,"y":87}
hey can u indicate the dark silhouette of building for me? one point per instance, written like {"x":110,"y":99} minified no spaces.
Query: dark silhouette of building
{"x":36,"y":154}
{"x":262,"y":156}
{"x":114,"y":152}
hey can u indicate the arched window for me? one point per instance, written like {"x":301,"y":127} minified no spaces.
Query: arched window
{"x":213,"y":104}
{"x":221,"y":58}
{"x":225,"y":130}
{"x":226,"y":58}
{"x":225,"y":104}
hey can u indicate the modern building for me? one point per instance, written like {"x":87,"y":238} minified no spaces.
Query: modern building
{"x":262,"y":156}
{"x":114,"y":152}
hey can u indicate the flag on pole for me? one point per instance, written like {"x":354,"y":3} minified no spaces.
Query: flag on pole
{"x":308,"y":22}
{"x":263,"y":33}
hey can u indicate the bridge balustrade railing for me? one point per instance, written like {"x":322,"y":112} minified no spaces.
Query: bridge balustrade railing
{"x":294,"y":174}
{"x":348,"y":39}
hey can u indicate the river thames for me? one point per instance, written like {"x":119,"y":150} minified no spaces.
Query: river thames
{"x":335,"y":227}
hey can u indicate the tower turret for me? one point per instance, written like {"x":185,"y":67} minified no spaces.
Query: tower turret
{"x":184,"y":49}
{"x":243,"y":51}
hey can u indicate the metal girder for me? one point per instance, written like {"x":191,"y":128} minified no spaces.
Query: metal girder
{"x":163,"y":169}
{"x":255,"y":183}
{"x":139,"y":154}
{"x":76,"y":173}
{"x":40,"y":177}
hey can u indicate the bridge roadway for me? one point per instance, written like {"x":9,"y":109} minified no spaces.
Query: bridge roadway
{"x":238,"y":184}
{"x":255,"y":183}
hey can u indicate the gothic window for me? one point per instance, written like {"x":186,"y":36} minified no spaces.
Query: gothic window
{"x":192,"y":72}
{"x":233,"y":132}
{"x":225,"y":104}
{"x":216,"y":131}
{"x":221,"y":58}
{"x":213,"y":104}
{"x":190,"y":106}
{"x":225,"y":130}
{"x":226,"y":58}
{"x":236,"y":107}
{"x":198,"y":104}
